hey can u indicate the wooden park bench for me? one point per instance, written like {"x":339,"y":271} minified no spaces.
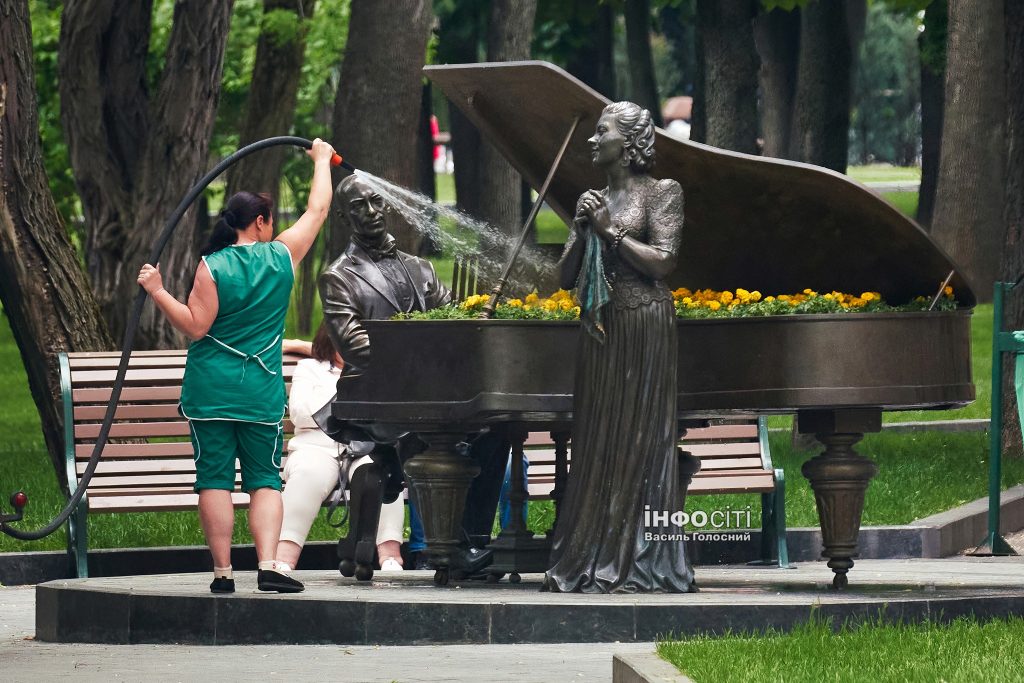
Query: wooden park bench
{"x":147,"y":464}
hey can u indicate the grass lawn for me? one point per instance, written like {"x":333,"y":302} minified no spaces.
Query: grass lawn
{"x":963,"y":650}
{"x":876,"y":173}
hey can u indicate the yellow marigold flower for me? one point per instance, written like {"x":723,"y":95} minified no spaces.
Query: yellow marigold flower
{"x":755,"y":295}
{"x":550,"y":305}
{"x":532,"y":297}
{"x":576,"y":311}
{"x":867,"y":296}
{"x":829,"y":297}
{"x":725,"y":297}
{"x":809,"y":292}
{"x":714,"y":305}
{"x":687,"y":300}
{"x":515,"y":303}
{"x":769,"y":298}
{"x":565,"y":305}
{"x":561,"y":295}
{"x":794,"y":302}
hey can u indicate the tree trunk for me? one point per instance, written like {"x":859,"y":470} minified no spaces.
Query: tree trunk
{"x":643,"y":87}
{"x":509,"y":31}
{"x":134,"y":154}
{"x":45,"y":294}
{"x":968,"y":219}
{"x":932,"y":47}
{"x":270,"y":105}
{"x":777,"y":36}
{"x":377,"y":109}
{"x":1013,"y":252}
{"x":829,"y":36}
{"x":593,"y":61}
{"x":730,"y":66}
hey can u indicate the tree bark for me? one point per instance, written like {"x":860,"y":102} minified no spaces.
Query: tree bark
{"x":270,"y":105}
{"x":509,"y":31}
{"x":45,"y":294}
{"x":136,"y":154}
{"x":777,"y":36}
{"x":459,"y":43}
{"x":968,"y":220}
{"x":377,"y":108}
{"x":643,"y":87}
{"x":1013,"y":251}
{"x":829,"y":36}
{"x":932,"y":46}
{"x":730,"y":66}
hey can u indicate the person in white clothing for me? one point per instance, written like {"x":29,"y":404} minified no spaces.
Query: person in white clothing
{"x":312,"y":468}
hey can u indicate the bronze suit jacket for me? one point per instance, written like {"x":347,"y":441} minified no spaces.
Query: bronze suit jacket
{"x":353,"y":289}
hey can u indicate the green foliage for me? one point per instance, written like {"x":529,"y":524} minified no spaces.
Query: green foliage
{"x":45,"y":17}
{"x":885,"y":122}
{"x":282,"y":26}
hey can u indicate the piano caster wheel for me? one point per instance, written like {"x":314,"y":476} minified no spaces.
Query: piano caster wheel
{"x":494,"y":578}
{"x":441,"y":577}
{"x":514,"y":577}
{"x":347,"y":568}
{"x":364,"y":572}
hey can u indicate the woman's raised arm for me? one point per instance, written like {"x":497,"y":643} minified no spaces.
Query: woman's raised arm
{"x":299,"y":238}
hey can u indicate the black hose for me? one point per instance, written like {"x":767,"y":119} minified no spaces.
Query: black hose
{"x":133,"y":324}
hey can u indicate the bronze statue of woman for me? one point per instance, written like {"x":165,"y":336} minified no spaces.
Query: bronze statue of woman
{"x":624,"y":455}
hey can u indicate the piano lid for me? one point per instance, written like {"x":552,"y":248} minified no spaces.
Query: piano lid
{"x":772,"y":225}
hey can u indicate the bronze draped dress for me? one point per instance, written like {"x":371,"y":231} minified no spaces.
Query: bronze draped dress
{"x":625,"y":431}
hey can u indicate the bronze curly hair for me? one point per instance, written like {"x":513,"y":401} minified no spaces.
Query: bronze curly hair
{"x":636,"y":126}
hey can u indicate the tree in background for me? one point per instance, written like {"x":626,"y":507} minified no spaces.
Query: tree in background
{"x":273,"y":93}
{"x":578,"y":35}
{"x":885,"y":123}
{"x":777,"y":36}
{"x":377,"y":107}
{"x":138,"y":144}
{"x":829,"y":35}
{"x":643,"y":87}
{"x":725,"y":102}
{"x":459,"y":41}
{"x":678,"y":21}
{"x":509,"y":33}
{"x":968,"y":219}
{"x":1012,"y":265}
{"x":932,"y":50}
{"x":45,"y":294}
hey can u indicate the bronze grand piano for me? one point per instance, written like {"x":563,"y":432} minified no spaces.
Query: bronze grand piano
{"x":751,"y":222}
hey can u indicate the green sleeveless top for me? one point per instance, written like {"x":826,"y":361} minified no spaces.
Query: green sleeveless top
{"x":234,"y":372}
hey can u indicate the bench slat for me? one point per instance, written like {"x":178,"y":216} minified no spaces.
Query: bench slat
{"x":158,"y":503}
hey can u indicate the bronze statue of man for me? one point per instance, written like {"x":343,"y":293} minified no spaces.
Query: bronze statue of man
{"x":373,"y":280}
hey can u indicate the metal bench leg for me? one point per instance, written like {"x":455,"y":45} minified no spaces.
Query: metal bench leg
{"x":78,"y":541}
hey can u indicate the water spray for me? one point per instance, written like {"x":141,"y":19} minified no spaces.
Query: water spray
{"x":19,"y":500}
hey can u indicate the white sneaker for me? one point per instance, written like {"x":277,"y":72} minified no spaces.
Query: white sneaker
{"x":390,"y":565}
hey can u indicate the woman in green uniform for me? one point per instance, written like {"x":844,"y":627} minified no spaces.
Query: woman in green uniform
{"x":233,"y":390}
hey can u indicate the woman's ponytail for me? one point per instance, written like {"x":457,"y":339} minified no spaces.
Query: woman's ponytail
{"x":239,"y":211}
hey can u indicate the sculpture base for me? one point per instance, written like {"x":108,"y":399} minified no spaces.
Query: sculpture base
{"x":406,"y":608}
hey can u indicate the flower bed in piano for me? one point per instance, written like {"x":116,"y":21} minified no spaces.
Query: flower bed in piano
{"x":701,"y":303}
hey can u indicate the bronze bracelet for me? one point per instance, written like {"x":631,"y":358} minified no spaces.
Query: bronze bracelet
{"x":619,"y":235}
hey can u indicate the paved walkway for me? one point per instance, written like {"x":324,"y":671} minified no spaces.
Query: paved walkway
{"x":24,"y":659}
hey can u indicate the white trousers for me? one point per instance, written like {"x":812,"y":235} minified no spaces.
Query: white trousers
{"x":310,"y":474}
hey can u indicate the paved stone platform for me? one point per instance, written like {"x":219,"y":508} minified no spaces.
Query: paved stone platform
{"x":407,"y":609}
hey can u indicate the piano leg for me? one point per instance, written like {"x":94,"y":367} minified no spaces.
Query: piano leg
{"x":439,"y":478}
{"x":840,"y":478}
{"x":561,"y":441}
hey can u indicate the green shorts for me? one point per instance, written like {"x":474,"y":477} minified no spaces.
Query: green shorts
{"x":218,"y":443}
